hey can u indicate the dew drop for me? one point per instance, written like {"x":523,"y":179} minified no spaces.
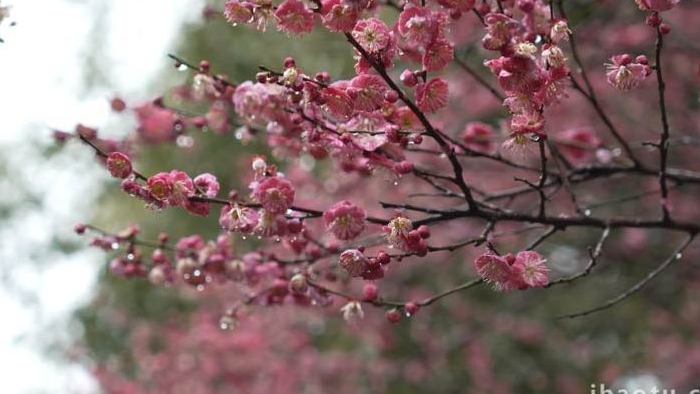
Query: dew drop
{"x":227,"y":323}
{"x":130,"y":256}
{"x":181,"y":67}
{"x":200,"y":287}
{"x":587,"y":212}
{"x":184,"y":141}
{"x":617,"y":152}
{"x":679,"y":256}
{"x":115,"y":245}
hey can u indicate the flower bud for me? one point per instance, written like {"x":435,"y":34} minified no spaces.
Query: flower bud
{"x":383,"y":258}
{"x":80,"y":228}
{"x":408,"y":78}
{"x":298,"y":284}
{"x":393,"y":316}
{"x":391,"y":96}
{"x":412,"y":308}
{"x":370,"y":292}
{"x":424,"y":231}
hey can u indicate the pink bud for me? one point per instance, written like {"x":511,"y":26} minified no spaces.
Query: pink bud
{"x":370,"y":292}
{"x":641,"y":59}
{"x":625,"y":59}
{"x":424,"y":231}
{"x":204,"y":66}
{"x":80,"y":228}
{"x":391,"y":96}
{"x":393,"y":316}
{"x":289,"y":62}
{"x":653,"y":20}
{"x":383,"y":258}
{"x":408,"y":78}
{"x":412,"y":308}
{"x":404,"y":167}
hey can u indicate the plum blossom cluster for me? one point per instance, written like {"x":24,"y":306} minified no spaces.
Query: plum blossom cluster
{"x":314,"y":235}
{"x":342,"y":119}
{"x":513,"y":272}
{"x":626,"y":73}
{"x":198,"y":263}
{"x":356,"y":264}
{"x":274,"y":195}
{"x":174,"y":189}
{"x":388,"y":184}
{"x":656,"y":5}
{"x":401,"y":235}
{"x":532,"y":69}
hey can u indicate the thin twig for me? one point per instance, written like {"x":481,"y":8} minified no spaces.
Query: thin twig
{"x":674,"y":257}
{"x":431,"y":131}
{"x":552,"y":230}
{"x":665,"y":134}
{"x":592,"y":262}
{"x":590,"y":94}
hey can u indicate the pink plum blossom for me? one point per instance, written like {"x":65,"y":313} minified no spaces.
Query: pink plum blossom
{"x":345,"y":220}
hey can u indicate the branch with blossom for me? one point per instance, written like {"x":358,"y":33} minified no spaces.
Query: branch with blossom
{"x":383,"y":122}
